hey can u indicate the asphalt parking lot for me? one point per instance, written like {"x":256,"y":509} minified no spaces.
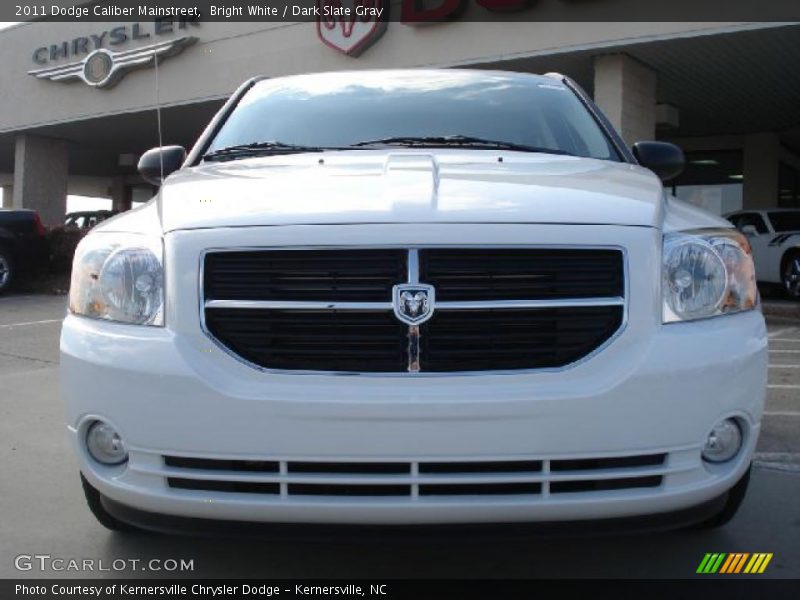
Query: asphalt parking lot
{"x":42,"y":508}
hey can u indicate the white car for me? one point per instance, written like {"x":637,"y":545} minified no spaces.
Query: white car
{"x":774,"y":236}
{"x":413,"y":298}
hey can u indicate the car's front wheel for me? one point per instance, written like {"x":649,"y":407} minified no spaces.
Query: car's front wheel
{"x":6,"y":269}
{"x":790,"y":274}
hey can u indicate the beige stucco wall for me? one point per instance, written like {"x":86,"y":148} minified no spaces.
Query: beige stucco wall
{"x":228,"y":53}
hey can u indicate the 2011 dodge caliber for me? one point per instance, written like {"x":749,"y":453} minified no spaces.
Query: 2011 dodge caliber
{"x":413,"y":297}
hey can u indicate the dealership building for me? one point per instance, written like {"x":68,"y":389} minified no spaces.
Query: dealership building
{"x":79,"y":98}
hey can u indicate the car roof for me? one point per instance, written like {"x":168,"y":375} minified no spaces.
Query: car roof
{"x":761,"y":211}
{"x":423,"y":74}
{"x":83,"y":213}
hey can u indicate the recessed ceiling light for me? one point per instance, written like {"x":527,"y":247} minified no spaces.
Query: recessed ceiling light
{"x":705,"y":162}
{"x":736,"y":177}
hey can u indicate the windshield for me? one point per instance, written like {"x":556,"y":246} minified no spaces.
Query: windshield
{"x":335,"y":110}
{"x":785,"y":220}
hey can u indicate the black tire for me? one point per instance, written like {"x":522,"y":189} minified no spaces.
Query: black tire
{"x":7,"y":269}
{"x":790,"y":274}
{"x":735,"y":496}
{"x":95,"y":501}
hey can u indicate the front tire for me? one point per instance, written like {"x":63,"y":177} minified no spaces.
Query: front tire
{"x":6,"y":269}
{"x":95,"y":502}
{"x":735,"y":497}
{"x":790,"y":274}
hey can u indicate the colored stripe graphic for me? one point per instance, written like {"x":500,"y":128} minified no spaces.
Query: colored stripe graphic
{"x":732,"y":558}
{"x":741,"y":562}
{"x":711,"y":563}
{"x":703,"y":563}
{"x":733,"y":563}
{"x":765,"y":563}
{"x":749,"y":568}
{"x":758,"y":563}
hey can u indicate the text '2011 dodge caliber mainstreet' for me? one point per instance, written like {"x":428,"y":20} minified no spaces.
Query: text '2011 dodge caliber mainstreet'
{"x":413,"y":297}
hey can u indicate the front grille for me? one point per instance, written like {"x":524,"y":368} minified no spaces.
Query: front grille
{"x":316,"y":340}
{"x":477,"y":340}
{"x":521,"y":274}
{"x":333,"y":310}
{"x":398,"y":479}
{"x":340,"y":276}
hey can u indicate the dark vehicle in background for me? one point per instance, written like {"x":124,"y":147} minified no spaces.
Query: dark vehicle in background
{"x":88,"y":219}
{"x":22,"y":244}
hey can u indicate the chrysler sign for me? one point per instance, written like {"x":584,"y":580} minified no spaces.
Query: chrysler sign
{"x":102,"y":58}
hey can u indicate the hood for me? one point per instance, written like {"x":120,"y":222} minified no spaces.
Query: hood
{"x":410,"y":187}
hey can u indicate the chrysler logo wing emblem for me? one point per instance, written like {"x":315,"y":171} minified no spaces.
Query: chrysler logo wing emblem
{"x":413,"y":302}
{"x":103,"y":68}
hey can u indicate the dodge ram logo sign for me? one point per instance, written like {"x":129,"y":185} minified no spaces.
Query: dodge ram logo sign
{"x":413,"y":303}
{"x":351,"y":26}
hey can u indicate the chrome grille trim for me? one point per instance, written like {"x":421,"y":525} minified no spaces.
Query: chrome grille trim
{"x":413,"y":267}
{"x":300,"y":305}
{"x":447,"y":305}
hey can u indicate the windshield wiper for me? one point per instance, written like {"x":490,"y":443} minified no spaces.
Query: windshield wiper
{"x":261,"y":149}
{"x":459,"y":141}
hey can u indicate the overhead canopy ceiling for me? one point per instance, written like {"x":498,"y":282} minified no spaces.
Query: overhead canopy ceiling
{"x":95,"y":144}
{"x":733,"y":83}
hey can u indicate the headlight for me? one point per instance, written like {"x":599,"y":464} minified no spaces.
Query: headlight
{"x":705,"y":273}
{"x":119,"y":277}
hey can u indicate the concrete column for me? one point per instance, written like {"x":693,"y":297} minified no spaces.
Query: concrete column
{"x":41,"y":167}
{"x":761,"y":160}
{"x":625,"y":90}
{"x":8,"y":196}
{"x":121,"y":195}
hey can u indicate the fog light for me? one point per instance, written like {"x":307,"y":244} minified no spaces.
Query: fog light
{"x":105,"y":445}
{"x":723,"y":442}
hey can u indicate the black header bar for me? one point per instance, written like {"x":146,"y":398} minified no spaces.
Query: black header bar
{"x":411,"y":12}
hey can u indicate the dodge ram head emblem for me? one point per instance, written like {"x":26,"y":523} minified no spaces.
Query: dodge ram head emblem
{"x":104,"y":68}
{"x":413,"y":302}
{"x":351,"y":26}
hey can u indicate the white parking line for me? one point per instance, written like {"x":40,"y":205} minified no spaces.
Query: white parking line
{"x":790,"y":456}
{"x":8,"y":326}
{"x":782,"y":413}
{"x":784,"y":366}
{"x":785,"y":340}
{"x":780,"y":332}
{"x":782,"y":461}
{"x":782,"y":386}
{"x":784,"y":351}
{"x":777,"y":466}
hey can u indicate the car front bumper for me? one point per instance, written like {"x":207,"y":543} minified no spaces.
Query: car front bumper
{"x":644,"y":395}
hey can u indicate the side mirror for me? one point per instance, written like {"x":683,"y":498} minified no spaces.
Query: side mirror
{"x":665,"y":160}
{"x":171,"y":157}
{"x":749,"y":230}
